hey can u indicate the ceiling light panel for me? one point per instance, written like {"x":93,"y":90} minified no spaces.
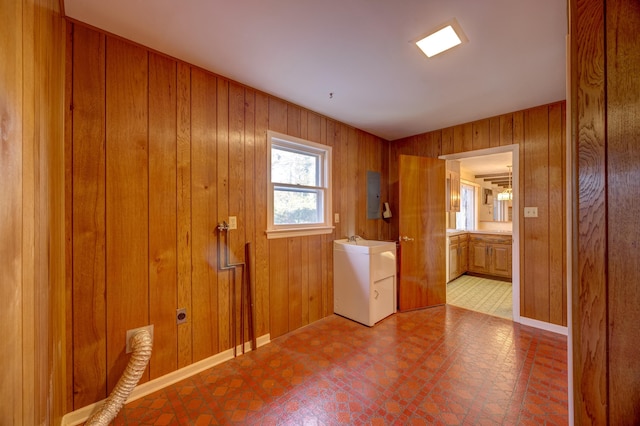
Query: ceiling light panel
{"x":447,"y":36}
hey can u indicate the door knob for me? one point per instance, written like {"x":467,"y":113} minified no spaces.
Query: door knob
{"x":405,"y":238}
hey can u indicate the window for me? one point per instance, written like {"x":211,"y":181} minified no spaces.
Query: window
{"x":465,"y":218}
{"x":299,"y":198}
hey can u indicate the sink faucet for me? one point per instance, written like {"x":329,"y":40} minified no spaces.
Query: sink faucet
{"x":354,"y":238}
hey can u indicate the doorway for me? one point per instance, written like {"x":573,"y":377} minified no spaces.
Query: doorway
{"x":515,"y":266}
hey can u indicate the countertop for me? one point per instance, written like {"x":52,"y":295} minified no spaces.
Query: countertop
{"x":453,"y":232}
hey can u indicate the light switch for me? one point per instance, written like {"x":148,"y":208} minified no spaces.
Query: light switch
{"x":336,"y":217}
{"x":530,"y":212}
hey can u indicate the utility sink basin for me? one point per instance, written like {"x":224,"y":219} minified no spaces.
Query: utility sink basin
{"x":365,"y":246}
{"x":364,"y":279}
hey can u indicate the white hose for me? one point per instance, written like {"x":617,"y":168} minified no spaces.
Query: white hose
{"x":141,"y":343}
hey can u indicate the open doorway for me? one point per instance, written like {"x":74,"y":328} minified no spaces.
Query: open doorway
{"x":483,"y":202}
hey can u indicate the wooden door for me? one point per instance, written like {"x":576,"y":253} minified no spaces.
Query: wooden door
{"x":422,"y":232}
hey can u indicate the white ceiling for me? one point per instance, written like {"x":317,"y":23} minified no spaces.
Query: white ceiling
{"x":362,"y":51}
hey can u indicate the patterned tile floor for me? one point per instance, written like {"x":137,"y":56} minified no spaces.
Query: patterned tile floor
{"x":441,"y":366}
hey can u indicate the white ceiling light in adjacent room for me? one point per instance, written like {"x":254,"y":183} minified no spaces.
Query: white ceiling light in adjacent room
{"x":446,"y":37}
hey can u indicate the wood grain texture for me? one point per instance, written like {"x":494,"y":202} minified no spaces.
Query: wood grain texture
{"x":214,"y":150}
{"x":506,"y":130}
{"x":261,"y":277}
{"x":183,"y":211}
{"x":623,"y":186}
{"x":11,"y":106}
{"x":447,"y":141}
{"x":463,"y":138}
{"x":127,"y":239}
{"x":223,"y":310}
{"x":589,"y":304}
{"x":422,"y":217}
{"x":32,"y":45}
{"x":163,"y":271}
{"x":536,"y":184}
{"x":89,"y":218}
{"x":535,"y":268}
{"x":204,"y":205}
{"x":557,"y":215}
{"x":480,"y":134}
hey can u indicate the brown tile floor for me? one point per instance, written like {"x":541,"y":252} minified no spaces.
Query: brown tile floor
{"x":443,"y":366}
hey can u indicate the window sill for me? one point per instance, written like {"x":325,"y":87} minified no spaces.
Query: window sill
{"x":298,"y":232}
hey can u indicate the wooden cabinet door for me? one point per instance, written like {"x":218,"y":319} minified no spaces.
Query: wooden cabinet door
{"x":453,"y":258}
{"x":478,"y":259}
{"x":500,"y":260}
{"x":463,"y":257}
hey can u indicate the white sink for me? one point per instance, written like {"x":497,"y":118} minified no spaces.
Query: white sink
{"x":364,"y":246}
{"x":364,"y":279}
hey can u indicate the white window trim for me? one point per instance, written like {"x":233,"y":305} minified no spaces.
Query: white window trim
{"x":298,"y":230}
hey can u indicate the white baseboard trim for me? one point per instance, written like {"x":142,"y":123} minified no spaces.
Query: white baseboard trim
{"x":82,"y":415}
{"x":554,"y":328}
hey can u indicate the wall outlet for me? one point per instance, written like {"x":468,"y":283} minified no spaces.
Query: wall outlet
{"x":181,"y":316}
{"x":133,"y":331}
{"x":530,"y":212}
{"x":233,"y":222}
{"x":336,"y":217}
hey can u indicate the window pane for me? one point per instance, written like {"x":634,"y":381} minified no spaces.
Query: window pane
{"x":294,"y":168}
{"x":293,"y":206}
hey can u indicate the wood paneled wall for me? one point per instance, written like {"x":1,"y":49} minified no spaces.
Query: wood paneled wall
{"x":32,"y":384}
{"x":540,"y":133}
{"x":159,"y":153}
{"x":605,"y":59}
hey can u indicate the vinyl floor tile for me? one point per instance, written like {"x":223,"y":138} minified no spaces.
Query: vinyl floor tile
{"x":438,"y":366}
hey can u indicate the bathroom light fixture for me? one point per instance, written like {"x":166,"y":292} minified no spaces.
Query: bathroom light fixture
{"x":447,"y":36}
{"x":507,"y":194}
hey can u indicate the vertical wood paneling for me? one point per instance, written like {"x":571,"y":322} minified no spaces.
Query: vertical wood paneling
{"x":11,"y":106}
{"x":623,"y":187}
{"x":447,"y":141}
{"x":204,"y":215}
{"x":294,"y":270}
{"x":88,"y":200}
{"x":590,"y":276}
{"x":463,"y":138}
{"x":32,"y":288}
{"x":207,"y":157}
{"x":278,"y":249}
{"x":127,"y":239}
{"x":262,"y":276}
{"x":494,"y":131}
{"x":223,"y":311}
{"x":67,"y":405}
{"x":506,"y":130}
{"x":250,"y":213}
{"x":536,"y":230}
{"x":557,"y":208}
{"x":236,"y":197}
{"x":183,"y":207}
{"x":480,"y":138}
{"x":163,"y":289}
{"x":279,"y":287}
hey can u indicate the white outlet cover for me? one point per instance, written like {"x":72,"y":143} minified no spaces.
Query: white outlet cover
{"x":530,"y":212}
{"x":336,"y":217}
{"x":233,"y":222}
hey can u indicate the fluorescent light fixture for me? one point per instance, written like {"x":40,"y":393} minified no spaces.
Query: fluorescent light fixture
{"x":443,"y":39}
